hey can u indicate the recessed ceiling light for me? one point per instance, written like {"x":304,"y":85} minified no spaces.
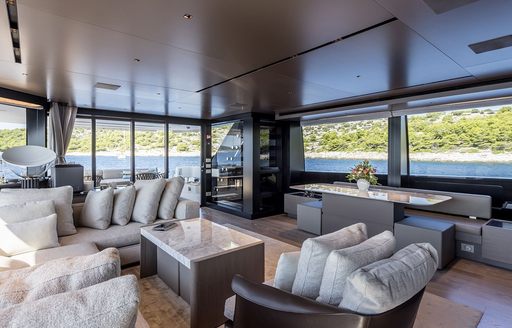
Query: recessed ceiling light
{"x":137,"y":60}
{"x":187,"y":16}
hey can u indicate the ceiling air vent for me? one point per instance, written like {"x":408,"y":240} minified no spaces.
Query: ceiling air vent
{"x":107,"y":86}
{"x":442,"y":6}
{"x":493,"y":44}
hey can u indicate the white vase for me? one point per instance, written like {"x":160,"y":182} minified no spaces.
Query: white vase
{"x":363,"y":185}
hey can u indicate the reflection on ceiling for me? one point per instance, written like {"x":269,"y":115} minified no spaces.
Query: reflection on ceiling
{"x":235,"y":56}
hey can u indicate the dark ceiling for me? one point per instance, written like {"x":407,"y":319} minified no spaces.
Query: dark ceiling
{"x":237,"y":56}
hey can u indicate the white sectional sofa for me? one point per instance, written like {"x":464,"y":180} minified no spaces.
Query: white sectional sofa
{"x":86,"y":240}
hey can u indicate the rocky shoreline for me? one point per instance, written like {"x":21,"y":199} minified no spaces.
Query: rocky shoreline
{"x":483,"y":157}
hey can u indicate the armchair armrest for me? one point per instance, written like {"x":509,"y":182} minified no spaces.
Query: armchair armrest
{"x":258,"y":305}
{"x":286,"y":270}
{"x":186,"y":209}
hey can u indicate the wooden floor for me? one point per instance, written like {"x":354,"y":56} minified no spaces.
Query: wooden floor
{"x":477,"y":285}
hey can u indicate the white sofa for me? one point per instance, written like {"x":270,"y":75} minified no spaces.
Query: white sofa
{"x":89,"y":241}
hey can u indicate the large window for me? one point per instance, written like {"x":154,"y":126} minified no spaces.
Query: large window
{"x":12,"y":133}
{"x":185,"y":157}
{"x":149,"y":149}
{"x":338,"y":147}
{"x":469,"y":143}
{"x":113,"y":151}
{"x":80,"y":145}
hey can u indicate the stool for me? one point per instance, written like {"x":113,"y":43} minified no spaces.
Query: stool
{"x":309,"y":217}
{"x":439,"y":234}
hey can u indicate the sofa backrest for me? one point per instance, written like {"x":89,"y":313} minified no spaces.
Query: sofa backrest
{"x":461,"y":203}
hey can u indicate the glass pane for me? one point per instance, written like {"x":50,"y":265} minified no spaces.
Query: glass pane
{"x":227,"y":164}
{"x":113,"y":152}
{"x":185,"y":158}
{"x":338,"y":147}
{"x":468,"y":143}
{"x":149,"y":151}
{"x":80,"y":146}
{"x":12,"y":133}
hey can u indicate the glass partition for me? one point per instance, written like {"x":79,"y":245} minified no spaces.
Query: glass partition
{"x":227,"y":164}
{"x":338,"y":147}
{"x":467,"y":143}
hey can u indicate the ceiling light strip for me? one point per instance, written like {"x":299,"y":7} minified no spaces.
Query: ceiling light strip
{"x":12,"y":13}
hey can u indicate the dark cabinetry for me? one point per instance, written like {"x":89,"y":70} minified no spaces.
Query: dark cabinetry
{"x":246,"y":167}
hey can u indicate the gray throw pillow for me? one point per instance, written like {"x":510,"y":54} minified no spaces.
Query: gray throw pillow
{"x":124,"y":199}
{"x":384,"y":285}
{"x":314,"y":253}
{"x":170,"y":198}
{"x":62,"y":198}
{"x":97,"y":210}
{"x":27,"y":236}
{"x":342,"y":262}
{"x":286,"y":270}
{"x":111,"y":304}
{"x":58,"y":276}
{"x":147,"y":200}
{"x":26,"y":211}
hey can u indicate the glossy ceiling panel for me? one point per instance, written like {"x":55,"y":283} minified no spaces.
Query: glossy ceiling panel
{"x":386,"y":58}
{"x":453,"y":31}
{"x":265,"y":91}
{"x":86,"y":49}
{"x":248,"y":33}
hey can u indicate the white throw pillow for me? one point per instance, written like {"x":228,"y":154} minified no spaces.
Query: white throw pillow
{"x":286,"y":270}
{"x":28,"y":236}
{"x":314,"y":253}
{"x":58,"y":276}
{"x":97,"y":210}
{"x":170,"y":198}
{"x":384,"y":285}
{"x":111,"y":304}
{"x":62,"y":198}
{"x":147,"y":200}
{"x":342,"y":262}
{"x":124,"y":199}
{"x":26,"y":211}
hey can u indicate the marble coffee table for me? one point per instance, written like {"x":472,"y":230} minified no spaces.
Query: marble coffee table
{"x":197,"y":259}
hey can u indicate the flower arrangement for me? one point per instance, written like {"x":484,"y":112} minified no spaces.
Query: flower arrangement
{"x":365,"y":171}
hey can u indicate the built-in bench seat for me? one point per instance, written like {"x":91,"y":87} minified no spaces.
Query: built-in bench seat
{"x":467,"y":212}
{"x":463,"y":225}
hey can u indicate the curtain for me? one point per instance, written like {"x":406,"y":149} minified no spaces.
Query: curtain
{"x":62,"y":121}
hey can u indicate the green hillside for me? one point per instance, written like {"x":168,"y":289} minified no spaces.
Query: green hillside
{"x":467,"y":131}
{"x":462,"y":131}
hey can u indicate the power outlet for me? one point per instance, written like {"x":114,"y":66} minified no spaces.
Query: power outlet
{"x":467,"y":248}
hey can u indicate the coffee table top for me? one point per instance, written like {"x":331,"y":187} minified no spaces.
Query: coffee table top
{"x":194,"y":240}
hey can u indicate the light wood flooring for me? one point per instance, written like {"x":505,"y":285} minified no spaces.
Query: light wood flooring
{"x":477,"y":285}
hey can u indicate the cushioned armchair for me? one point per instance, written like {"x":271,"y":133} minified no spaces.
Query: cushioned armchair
{"x":260,"y":305}
{"x":384,"y":293}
